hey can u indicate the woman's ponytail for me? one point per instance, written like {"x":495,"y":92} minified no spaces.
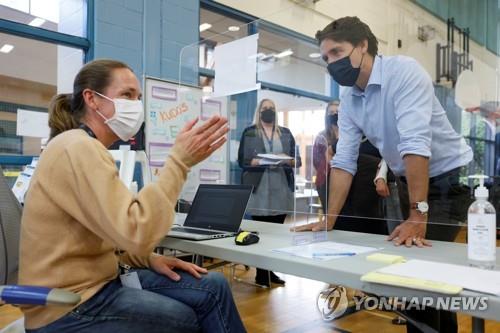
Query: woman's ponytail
{"x":60,"y":116}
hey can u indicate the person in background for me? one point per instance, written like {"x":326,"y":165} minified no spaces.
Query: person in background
{"x":490,"y":112}
{"x":81,"y":225}
{"x":362,"y":207}
{"x":387,"y":188}
{"x":273,"y":184}
{"x":362,"y":203}
{"x":323,"y":153}
{"x":362,"y":210}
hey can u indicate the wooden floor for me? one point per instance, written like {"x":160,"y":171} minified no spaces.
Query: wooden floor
{"x":292,"y":309}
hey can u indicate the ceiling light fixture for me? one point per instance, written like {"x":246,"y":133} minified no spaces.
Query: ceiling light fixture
{"x":233,"y":28}
{"x":257,"y":56}
{"x":285,"y":53}
{"x":205,"y":26}
{"x":314,"y":55}
{"x":6,"y":48}
{"x":37,"y":22}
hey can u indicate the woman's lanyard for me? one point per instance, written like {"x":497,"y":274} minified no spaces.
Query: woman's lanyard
{"x":88,"y":130}
{"x":269,"y":141}
{"x":127,"y":278}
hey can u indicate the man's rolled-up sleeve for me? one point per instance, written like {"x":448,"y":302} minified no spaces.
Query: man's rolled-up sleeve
{"x":413,"y":110}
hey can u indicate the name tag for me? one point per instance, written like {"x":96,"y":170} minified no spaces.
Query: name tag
{"x":130,"y":280}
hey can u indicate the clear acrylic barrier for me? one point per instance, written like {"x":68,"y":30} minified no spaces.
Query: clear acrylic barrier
{"x":368,"y":208}
{"x":288,"y":190}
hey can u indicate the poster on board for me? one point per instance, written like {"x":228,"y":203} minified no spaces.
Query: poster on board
{"x":169,"y":106}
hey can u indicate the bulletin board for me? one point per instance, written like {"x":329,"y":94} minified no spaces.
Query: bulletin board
{"x":169,"y":106}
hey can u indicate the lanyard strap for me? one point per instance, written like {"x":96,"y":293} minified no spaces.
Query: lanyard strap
{"x":269,"y":141}
{"x":88,"y":130}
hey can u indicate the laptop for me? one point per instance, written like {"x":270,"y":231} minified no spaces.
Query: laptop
{"x":216,"y":212}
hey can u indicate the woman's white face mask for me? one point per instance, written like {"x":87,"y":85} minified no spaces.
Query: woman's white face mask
{"x":128,"y":117}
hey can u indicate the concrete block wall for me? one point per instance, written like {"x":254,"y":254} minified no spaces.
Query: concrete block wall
{"x":148,"y":35}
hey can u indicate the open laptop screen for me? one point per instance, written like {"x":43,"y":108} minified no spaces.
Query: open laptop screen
{"x":219,"y":207}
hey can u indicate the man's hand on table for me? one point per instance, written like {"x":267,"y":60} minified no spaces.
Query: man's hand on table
{"x":411,"y":232}
{"x":318,"y":226}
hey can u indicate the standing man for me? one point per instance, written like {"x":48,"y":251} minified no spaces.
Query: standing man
{"x":391,"y":100}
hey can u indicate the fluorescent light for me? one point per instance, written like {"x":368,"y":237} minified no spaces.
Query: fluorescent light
{"x":285,"y":53}
{"x":6,"y":48}
{"x":37,"y":22}
{"x":233,"y":28}
{"x":205,"y":26}
{"x":259,"y":55}
{"x":314,"y":55}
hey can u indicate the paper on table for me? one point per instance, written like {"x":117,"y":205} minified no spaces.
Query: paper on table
{"x":325,"y":250}
{"x":471,"y":278}
{"x":275,"y":157}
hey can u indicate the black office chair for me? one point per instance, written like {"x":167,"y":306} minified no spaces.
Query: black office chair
{"x":10,"y":226}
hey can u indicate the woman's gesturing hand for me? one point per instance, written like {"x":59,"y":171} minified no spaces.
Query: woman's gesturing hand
{"x":194,"y":144}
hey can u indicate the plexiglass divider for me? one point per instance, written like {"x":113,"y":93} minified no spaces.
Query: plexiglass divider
{"x":368,"y":208}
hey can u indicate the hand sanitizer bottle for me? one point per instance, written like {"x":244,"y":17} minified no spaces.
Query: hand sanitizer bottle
{"x":481,"y":227}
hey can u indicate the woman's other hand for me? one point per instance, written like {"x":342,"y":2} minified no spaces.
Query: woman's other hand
{"x":167,"y":266}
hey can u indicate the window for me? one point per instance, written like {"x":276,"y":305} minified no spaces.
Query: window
{"x":214,"y":29}
{"x":291,"y":62}
{"x":33,"y":71}
{"x":291,"y":73}
{"x":65,"y":16}
{"x":304,"y":117}
{"x":28,"y":80}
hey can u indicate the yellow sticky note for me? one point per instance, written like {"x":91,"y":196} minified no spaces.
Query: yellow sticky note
{"x":385,"y":258}
{"x":413,"y":283}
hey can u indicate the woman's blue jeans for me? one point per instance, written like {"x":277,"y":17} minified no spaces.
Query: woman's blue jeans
{"x":163,"y":305}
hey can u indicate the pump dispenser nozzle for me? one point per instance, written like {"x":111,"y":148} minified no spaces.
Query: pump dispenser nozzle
{"x":481,"y":191}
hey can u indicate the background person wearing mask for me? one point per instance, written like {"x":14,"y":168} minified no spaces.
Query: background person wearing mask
{"x":323,"y":153}
{"x":274,"y":185}
{"x":80,"y":222}
{"x":362,"y":210}
{"x":391,"y":100}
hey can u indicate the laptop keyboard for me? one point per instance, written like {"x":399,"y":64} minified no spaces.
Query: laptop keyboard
{"x":195,"y":231}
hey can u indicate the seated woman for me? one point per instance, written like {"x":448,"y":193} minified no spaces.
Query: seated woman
{"x":274,"y":185}
{"x":80,"y":222}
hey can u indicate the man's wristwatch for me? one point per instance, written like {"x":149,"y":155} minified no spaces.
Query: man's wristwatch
{"x":421,"y":206}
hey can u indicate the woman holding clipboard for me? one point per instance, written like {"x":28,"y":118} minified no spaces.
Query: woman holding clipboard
{"x":268,"y":157}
